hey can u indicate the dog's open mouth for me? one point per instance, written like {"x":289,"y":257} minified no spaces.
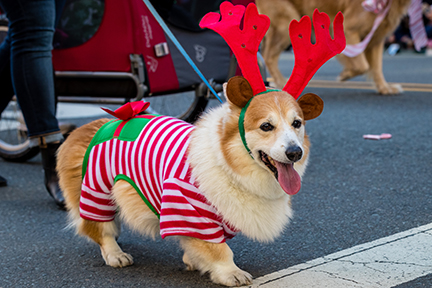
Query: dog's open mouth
{"x":284,"y":173}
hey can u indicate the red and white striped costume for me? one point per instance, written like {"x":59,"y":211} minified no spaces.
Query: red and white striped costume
{"x":155,"y":163}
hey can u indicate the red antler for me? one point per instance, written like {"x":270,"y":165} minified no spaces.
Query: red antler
{"x":244,"y":43}
{"x":310,"y":57}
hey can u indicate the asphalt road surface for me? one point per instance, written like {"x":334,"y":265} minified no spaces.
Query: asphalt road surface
{"x":355,"y":191}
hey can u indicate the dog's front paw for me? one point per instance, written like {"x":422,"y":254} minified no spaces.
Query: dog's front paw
{"x":232,"y":277}
{"x":118,"y":259}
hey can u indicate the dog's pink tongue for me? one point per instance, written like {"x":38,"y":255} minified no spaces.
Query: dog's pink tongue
{"x":288,"y":178}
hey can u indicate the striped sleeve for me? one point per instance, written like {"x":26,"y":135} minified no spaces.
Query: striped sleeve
{"x":96,"y":205}
{"x":186,"y":212}
{"x":95,"y":200}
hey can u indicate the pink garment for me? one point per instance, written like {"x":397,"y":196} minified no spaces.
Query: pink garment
{"x":417,"y":29}
{"x":156,"y":163}
{"x":353,"y":50}
{"x":375,"y":6}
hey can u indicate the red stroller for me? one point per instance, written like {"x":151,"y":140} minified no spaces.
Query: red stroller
{"x":111,"y":51}
{"x":127,"y":54}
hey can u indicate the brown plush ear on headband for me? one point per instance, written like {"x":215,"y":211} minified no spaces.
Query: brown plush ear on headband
{"x":311,"y":104}
{"x":239,"y":91}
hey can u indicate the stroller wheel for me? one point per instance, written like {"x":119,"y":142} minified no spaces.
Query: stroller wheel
{"x":14,"y":143}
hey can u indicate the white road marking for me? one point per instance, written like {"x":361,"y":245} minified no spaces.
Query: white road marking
{"x":385,"y":262}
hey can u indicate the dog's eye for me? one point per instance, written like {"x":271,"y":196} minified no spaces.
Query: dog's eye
{"x":266,"y":127}
{"x":296,"y":124}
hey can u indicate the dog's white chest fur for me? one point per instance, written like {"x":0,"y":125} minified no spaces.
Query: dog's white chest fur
{"x":253,"y":203}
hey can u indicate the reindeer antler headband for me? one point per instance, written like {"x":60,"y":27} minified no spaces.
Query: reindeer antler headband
{"x":245,"y":42}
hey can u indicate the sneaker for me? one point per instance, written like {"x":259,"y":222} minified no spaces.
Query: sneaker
{"x":393,"y":49}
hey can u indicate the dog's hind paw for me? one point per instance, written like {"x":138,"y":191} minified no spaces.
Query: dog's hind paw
{"x":118,"y":260}
{"x":389,"y":89}
{"x":347,"y":74}
{"x":236,"y":278}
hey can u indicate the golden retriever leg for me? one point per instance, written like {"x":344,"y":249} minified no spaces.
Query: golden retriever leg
{"x":217,"y":259}
{"x":374,"y":57}
{"x":354,"y":66}
{"x":275,"y":43}
{"x":277,"y":37}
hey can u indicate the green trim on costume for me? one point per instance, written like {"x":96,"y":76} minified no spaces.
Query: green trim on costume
{"x":131,"y":130}
{"x":129,"y":180}
{"x":241,"y":120}
{"x":103,"y":134}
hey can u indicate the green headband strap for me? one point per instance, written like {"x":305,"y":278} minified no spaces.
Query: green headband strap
{"x":241,"y":120}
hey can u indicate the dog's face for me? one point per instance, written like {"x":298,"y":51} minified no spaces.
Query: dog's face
{"x":274,"y":125}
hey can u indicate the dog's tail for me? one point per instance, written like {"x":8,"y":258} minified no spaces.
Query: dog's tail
{"x":69,"y":165}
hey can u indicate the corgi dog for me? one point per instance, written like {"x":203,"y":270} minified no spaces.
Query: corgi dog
{"x":249,"y":192}
{"x":234,"y":171}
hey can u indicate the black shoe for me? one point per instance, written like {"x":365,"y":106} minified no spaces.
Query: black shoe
{"x":3,"y":182}
{"x":421,"y":51}
{"x":51,"y":179}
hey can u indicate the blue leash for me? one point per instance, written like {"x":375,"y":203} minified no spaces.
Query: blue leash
{"x":179,"y":47}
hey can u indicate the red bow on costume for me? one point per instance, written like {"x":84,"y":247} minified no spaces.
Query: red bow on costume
{"x":128,"y":110}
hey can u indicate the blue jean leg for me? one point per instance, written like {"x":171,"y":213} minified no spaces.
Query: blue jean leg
{"x":31,"y":30}
{"x":6,"y":88}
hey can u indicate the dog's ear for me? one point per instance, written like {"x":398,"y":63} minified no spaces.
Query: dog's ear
{"x":238,"y":91}
{"x":311,"y":104}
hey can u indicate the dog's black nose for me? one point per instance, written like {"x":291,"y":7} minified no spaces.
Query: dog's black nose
{"x":294,"y":153}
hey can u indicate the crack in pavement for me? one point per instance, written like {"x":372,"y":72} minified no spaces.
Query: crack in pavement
{"x":363,"y":265}
{"x":384,"y":262}
{"x":337,"y":276}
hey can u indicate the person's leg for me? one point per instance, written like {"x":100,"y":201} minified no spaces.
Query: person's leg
{"x":6,"y":88}
{"x":6,"y":93}
{"x":31,"y":30}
